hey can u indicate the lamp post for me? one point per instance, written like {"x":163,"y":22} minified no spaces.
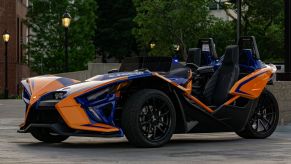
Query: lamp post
{"x":238,"y":22}
{"x":66,"y":21}
{"x":287,"y":5}
{"x":238,"y":26}
{"x":6,"y":37}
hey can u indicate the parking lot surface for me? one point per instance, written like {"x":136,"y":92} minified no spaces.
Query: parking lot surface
{"x":190,"y":148}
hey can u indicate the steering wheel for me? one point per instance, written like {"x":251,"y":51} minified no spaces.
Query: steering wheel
{"x":192,"y":66}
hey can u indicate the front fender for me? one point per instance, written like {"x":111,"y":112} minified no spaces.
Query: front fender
{"x":252,"y":85}
{"x":36,"y":87}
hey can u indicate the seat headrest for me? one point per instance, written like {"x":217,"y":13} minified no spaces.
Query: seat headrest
{"x":231,"y":55}
{"x":194,"y":56}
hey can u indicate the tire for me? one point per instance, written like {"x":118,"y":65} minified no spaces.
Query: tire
{"x":265,"y":119}
{"x":44,"y":135}
{"x":148,"y":118}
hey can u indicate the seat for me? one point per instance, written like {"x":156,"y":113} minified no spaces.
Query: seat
{"x":179,"y":73}
{"x":217,"y":88}
{"x":194,"y":56}
{"x":247,"y":61}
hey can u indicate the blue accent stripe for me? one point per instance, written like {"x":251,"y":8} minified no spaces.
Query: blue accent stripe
{"x":65,"y":81}
{"x":245,"y":82}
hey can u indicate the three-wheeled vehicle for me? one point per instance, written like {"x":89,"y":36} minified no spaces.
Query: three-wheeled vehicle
{"x":151,"y":98}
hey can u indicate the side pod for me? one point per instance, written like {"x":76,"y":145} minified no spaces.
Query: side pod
{"x":252,"y":85}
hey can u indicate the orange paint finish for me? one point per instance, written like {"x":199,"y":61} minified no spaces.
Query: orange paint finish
{"x":104,"y":126}
{"x":188,"y":85}
{"x":231,"y":100}
{"x":41,"y":85}
{"x":170,"y":81}
{"x":199,"y":103}
{"x":96,"y":129}
{"x":252,"y":85}
{"x":75,"y":116}
{"x":72,"y":112}
{"x":187,"y":91}
{"x":40,"y":91}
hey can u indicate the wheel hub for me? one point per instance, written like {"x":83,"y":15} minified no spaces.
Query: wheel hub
{"x":155,"y":119}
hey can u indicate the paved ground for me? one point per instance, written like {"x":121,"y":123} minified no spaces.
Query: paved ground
{"x":198,"y":148}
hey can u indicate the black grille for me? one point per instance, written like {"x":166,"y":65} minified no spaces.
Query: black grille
{"x":44,"y":116}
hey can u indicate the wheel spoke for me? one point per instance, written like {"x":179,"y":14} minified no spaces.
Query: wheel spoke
{"x":154,"y":119}
{"x":258,"y":124}
{"x":145,"y":123}
{"x":263,"y":125}
{"x":266,"y":121}
{"x":154,"y":132}
{"x":165,"y":113}
{"x":160,"y":128}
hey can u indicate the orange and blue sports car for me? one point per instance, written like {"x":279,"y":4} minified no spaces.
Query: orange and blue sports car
{"x":151,"y":98}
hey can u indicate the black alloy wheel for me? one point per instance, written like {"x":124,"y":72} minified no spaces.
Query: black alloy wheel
{"x":155,"y":119}
{"x":265,"y":118}
{"x":148,"y":118}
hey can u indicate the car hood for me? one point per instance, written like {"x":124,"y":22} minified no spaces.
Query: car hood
{"x":104,"y":80}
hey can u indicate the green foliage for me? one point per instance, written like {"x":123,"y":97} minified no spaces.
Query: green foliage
{"x":223,"y":33}
{"x":166,"y":23}
{"x":46,"y":42}
{"x":265,"y":20}
{"x":114,"y":25}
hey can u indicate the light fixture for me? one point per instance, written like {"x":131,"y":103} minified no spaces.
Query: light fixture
{"x":176,"y":47}
{"x":6,"y":36}
{"x":66,"y":19}
{"x":152,"y":45}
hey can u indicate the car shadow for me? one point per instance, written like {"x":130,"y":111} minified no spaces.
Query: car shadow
{"x":123,"y":144}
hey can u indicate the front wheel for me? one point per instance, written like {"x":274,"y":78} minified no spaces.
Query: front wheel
{"x":44,"y":135}
{"x":265,"y":119}
{"x":148,"y":118}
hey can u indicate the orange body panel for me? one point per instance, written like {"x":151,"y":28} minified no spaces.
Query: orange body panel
{"x":75,"y":116}
{"x":231,"y":100}
{"x":252,"y":85}
{"x":187,"y":90}
{"x":199,"y":103}
{"x":41,"y":85}
{"x":171,"y":82}
{"x":72,"y":113}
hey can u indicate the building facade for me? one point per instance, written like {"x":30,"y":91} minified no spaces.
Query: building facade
{"x":12,"y":19}
{"x":218,"y":11}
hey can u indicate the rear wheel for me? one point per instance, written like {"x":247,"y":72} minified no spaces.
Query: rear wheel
{"x":149,"y":118}
{"x":44,"y":135}
{"x":265,"y":119}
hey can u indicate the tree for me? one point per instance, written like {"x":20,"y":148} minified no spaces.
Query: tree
{"x":46,"y":42}
{"x":165,"y":22}
{"x":223,"y":33}
{"x":264,"y":20}
{"x":114,"y":25}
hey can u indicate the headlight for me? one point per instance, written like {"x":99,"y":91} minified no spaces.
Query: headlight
{"x":100,"y":95}
{"x":58,"y":95}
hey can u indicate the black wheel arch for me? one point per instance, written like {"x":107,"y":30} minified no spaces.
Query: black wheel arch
{"x":161,"y":85}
